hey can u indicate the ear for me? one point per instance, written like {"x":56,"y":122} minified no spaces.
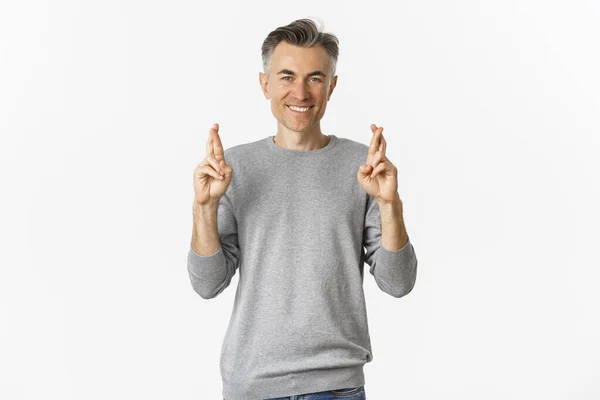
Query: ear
{"x":263,"y":79}
{"x":331,"y":87}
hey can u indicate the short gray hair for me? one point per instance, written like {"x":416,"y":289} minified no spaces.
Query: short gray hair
{"x":303,"y":33}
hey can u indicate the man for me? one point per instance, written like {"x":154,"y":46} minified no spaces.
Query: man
{"x":293,"y":212}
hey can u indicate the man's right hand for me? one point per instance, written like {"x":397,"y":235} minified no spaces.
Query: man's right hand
{"x":213,"y":175}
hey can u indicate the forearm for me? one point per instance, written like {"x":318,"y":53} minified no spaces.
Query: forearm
{"x":393,"y":231}
{"x":205,"y":236}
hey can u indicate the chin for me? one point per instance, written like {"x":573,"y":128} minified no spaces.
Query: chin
{"x":302,"y":128}
{"x":293,"y":126}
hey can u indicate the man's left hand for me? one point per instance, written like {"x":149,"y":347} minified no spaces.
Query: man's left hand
{"x":379,"y":177}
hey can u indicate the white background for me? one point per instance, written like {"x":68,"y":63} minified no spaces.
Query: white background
{"x":491,"y":114}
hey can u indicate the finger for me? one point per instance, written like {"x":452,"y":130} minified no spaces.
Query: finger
{"x":209,"y":145}
{"x":376,"y":159}
{"x":378,"y":169}
{"x":383,"y":145}
{"x":214,"y":163}
{"x":211,"y":139}
{"x":373,"y":146}
{"x":379,"y":135}
{"x":217,"y":146}
{"x":209,"y":171}
{"x":375,"y":142}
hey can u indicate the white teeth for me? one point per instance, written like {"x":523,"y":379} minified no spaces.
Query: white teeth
{"x":300,"y":109}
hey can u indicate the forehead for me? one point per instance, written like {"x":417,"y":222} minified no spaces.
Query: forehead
{"x":300,"y":59}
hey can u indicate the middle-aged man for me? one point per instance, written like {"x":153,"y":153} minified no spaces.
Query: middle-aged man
{"x":298,"y":213}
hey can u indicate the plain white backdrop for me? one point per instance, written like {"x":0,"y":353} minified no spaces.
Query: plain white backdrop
{"x":491,"y":112}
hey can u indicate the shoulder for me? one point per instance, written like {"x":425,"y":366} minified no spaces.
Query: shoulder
{"x":352,"y":144}
{"x":245,"y":152}
{"x":352,"y":149}
{"x":244,"y":148}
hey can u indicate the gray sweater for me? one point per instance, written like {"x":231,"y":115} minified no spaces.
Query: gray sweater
{"x":294,"y":224}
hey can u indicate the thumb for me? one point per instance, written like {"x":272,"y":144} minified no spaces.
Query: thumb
{"x":365,"y":170}
{"x":226,"y":167}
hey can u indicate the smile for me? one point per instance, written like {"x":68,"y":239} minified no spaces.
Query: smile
{"x":299,"y":109}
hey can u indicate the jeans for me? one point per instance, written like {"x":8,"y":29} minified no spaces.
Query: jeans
{"x":356,"y":393}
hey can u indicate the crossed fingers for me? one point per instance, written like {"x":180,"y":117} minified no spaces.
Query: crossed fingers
{"x":214,"y":150}
{"x":377,"y":148}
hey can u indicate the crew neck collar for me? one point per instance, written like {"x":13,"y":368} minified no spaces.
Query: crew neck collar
{"x":275,"y":147}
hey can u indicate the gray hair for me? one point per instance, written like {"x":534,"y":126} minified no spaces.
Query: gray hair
{"x":304,"y":33}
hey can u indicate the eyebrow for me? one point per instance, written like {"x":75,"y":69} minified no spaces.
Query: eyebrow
{"x":288,"y":72}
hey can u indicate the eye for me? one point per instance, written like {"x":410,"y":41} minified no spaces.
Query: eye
{"x":317,"y":79}
{"x":284,"y":78}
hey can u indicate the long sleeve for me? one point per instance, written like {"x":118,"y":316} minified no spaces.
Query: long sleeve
{"x":296,"y":224}
{"x":395,"y":272}
{"x":210,"y":275}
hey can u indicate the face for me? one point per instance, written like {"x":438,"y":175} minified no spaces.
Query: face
{"x":298,"y":76}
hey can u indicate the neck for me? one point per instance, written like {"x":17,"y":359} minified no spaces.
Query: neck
{"x":301,"y":141}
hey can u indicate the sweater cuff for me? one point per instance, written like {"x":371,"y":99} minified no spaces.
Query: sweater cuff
{"x":207,"y":267}
{"x":195,"y":255}
{"x":393,"y":257}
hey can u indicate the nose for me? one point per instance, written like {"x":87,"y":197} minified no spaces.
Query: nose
{"x":300,"y":90}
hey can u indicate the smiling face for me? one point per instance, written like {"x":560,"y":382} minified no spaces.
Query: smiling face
{"x":299,"y":84}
